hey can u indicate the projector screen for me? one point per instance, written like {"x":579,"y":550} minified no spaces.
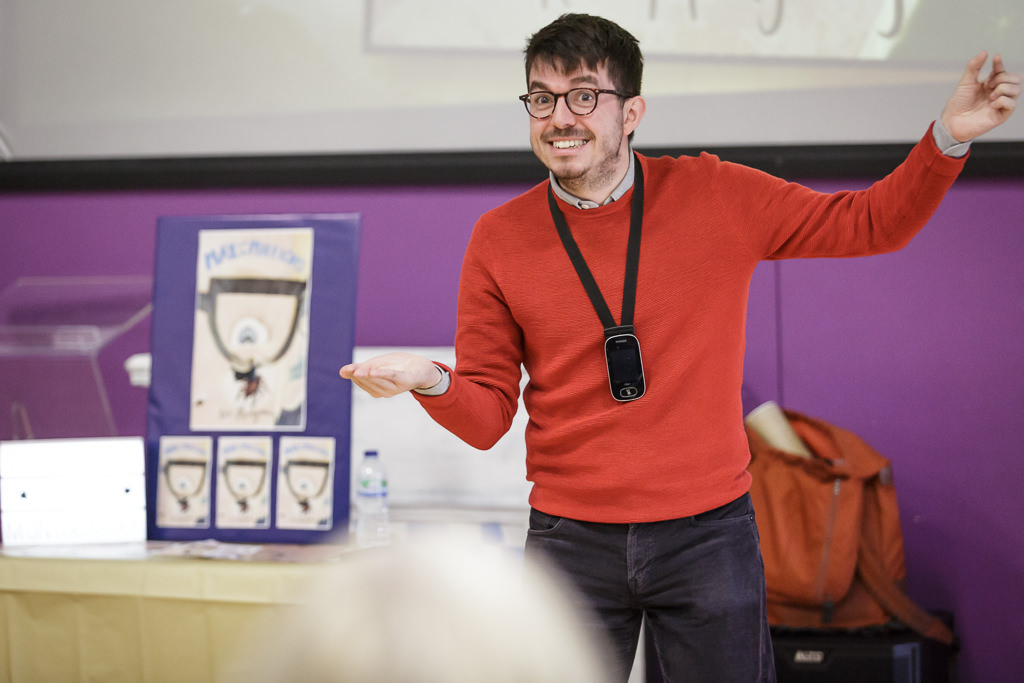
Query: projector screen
{"x":158,"y":78}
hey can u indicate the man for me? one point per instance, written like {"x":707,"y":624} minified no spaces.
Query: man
{"x":633,"y":341}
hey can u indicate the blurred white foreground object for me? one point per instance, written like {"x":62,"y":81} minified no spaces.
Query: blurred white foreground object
{"x":426,"y":612}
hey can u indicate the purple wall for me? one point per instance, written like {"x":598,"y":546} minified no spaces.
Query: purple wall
{"x":918,"y":352}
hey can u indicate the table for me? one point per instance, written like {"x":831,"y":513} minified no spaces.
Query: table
{"x":163,"y":611}
{"x":134,"y":614}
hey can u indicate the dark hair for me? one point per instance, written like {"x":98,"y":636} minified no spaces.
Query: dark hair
{"x":575,"y":40}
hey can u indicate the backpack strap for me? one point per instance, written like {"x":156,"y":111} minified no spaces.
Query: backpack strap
{"x":894,"y":600}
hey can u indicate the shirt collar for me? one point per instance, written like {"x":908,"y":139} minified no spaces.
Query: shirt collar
{"x":621,"y":189}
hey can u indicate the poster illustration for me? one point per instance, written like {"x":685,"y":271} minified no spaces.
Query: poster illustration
{"x":250,"y":344}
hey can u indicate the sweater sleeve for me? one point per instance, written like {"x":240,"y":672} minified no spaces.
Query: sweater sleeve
{"x":484,"y":393}
{"x":797,"y":222}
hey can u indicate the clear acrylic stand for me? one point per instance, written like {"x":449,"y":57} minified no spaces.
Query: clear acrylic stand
{"x":52,"y":330}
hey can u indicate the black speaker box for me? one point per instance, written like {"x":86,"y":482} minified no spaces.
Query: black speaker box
{"x":885,"y":655}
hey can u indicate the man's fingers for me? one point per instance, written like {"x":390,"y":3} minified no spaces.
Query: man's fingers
{"x":366,"y":369}
{"x":1006,"y":90}
{"x":997,"y":65}
{"x":1006,"y":83}
{"x":376,"y":387}
{"x":390,"y":374}
{"x":974,"y":65}
{"x":1007,"y":104}
{"x":380,"y":381}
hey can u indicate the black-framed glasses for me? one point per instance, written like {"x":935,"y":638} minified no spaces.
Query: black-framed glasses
{"x":540,"y":104}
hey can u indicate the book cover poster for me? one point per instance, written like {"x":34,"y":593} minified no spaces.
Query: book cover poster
{"x":250,"y":345}
{"x":243,"y":481}
{"x":183,"y":492}
{"x":252,"y":317}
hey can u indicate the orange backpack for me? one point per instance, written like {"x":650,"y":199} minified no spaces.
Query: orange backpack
{"x":830,"y":533}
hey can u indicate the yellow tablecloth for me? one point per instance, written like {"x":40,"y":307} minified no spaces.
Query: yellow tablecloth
{"x":143,"y":616}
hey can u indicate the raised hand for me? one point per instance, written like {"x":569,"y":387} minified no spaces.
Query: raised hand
{"x":392,"y":373}
{"x":979,"y":105}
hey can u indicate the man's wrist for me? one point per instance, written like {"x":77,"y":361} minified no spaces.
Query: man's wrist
{"x":945,"y":141}
{"x":438,"y":388}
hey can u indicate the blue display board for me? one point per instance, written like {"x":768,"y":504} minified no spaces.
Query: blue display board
{"x":248,"y":429}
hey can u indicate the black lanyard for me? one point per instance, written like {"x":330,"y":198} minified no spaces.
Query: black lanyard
{"x":622,"y":350}
{"x":636,"y":219}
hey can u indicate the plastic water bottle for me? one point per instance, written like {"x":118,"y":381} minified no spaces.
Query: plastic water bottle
{"x":372,"y":523}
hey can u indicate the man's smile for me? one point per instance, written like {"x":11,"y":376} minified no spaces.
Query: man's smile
{"x":568,"y":144}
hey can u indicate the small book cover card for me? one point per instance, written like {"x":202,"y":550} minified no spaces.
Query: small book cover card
{"x":183,"y":489}
{"x":243,"y":481}
{"x":305,"y":483}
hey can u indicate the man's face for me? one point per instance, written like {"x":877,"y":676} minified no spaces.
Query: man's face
{"x":588,"y":154}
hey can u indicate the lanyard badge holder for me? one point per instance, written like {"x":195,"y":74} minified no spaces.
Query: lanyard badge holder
{"x":621,"y":346}
{"x":625,"y":366}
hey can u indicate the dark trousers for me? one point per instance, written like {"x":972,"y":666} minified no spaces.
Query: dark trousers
{"x":698,"y":581}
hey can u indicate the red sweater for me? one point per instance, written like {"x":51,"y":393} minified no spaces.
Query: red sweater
{"x":681,"y":449}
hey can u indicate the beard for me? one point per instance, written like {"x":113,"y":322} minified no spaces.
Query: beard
{"x":603,"y":170}
{"x":580,"y":180}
